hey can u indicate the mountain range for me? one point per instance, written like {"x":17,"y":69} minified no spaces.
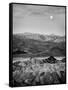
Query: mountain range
{"x":41,"y":37}
{"x":31,"y":44}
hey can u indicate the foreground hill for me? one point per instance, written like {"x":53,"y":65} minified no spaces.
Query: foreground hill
{"x":39,"y":72}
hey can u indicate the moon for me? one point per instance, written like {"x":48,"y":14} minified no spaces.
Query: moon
{"x":51,"y":17}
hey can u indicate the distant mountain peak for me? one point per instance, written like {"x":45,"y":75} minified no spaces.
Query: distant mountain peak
{"x":52,"y":34}
{"x":27,"y":33}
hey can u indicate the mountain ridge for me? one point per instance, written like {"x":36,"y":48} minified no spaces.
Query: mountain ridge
{"x":41,"y":37}
{"x":28,"y":46}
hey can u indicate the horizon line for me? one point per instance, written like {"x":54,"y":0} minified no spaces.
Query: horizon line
{"x":38,"y":33}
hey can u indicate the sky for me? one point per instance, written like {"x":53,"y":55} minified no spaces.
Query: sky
{"x":38,"y":19}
